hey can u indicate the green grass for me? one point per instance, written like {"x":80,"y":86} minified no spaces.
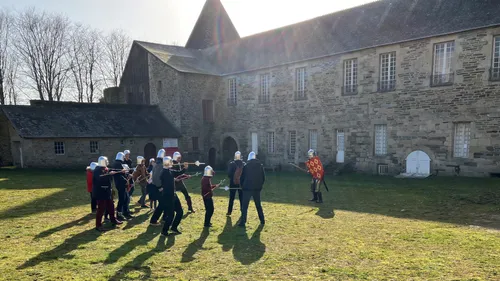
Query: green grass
{"x":369,"y":228}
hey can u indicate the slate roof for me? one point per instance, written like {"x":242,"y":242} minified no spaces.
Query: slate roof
{"x":374,"y":24}
{"x":181,"y":59}
{"x":88,"y":120}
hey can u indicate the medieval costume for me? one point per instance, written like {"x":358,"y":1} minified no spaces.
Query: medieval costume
{"x":206,"y":193}
{"x":252,"y":180}
{"x":120,"y":179}
{"x":151,"y":188}
{"x":156,"y":173}
{"x":90,"y":173}
{"x":234,"y":172}
{"x":178,"y":170}
{"x":315,"y":168}
{"x":140,"y":177}
{"x":102,"y":191}
{"x":127,"y":161}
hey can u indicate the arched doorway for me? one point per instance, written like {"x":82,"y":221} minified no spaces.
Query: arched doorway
{"x":211,"y":157}
{"x":229,"y":147}
{"x":149,"y":152}
{"x":418,"y":162}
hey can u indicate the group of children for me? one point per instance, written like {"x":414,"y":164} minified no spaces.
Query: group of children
{"x":160,"y":180}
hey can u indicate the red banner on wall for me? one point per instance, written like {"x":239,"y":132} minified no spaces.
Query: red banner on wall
{"x":169,"y":151}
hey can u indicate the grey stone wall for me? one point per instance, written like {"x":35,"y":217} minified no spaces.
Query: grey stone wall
{"x":5,"y":147}
{"x":40,"y":152}
{"x":417,"y":116}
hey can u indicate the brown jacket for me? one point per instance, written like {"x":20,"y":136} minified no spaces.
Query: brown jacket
{"x":141,"y":172}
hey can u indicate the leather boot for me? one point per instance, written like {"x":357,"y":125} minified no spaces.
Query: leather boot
{"x":190,"y":205}
{"x":315,"y":196}
{"x":320,"y":198}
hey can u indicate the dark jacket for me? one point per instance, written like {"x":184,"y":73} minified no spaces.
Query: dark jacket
{"x":128,"y":162}
{"x":231,"y":169}
{"x":253,"y":176}
{"x":177,"y":169}
{"x":120,"y":180}
{"x":206,"y":187}
{"x":167,"y":183}
{"x":102,"y":189}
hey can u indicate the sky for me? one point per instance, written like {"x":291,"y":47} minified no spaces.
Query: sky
{"x":171,"y":21}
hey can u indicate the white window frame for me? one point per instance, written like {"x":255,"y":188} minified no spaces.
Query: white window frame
{"x":264,"y":96}
{"x":461,"y":139}
{"x":387,"y":72}
{"x":442,"y":65}
{"x":300,"y":83}
{"x":350,"y":77}
{"x":380,"y":146}
{"x":94,"y":147}
{"x":495,"y":64}
{"x":232,"y":92}
{"x":255,"y":142}
{"x":292,"y":142}
{"x":59,"y":148}
{"x":313,"y":139}
{"x":270,"y":142}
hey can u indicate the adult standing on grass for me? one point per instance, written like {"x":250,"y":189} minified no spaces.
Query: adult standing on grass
{"x":252,"y":180}
{"x":315,"y":168}
{"x":140,"y":177}
{"x":128,"y":162}
{"x":102,"y":191}
{"x":179,"y":169}
{"x":234,"y":172}
{"x":122,"y":211}
{"x":156,"y":181}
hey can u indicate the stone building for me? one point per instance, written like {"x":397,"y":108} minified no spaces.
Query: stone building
{"x":390,"y":86}
{"x":71,"y":135}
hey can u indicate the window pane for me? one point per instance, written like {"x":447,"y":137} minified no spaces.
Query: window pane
{"x":350,"y":75}
{"x":495,"y":70}
{"x":270,"y":142}
{"x":461,"y":140}
{"x":380,"y":139}
{"x":442,"y":68}
{"x":313,"y":139}
{"x":388,"y":71}
{"x":293,"y":141}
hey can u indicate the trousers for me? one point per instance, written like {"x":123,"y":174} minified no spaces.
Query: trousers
{"x":232,"y":195}
{"x":247,"y":195}
{"x":93,"y":202}
{"x":123,"y":201}
{"x":144,"y":192}
{"x":209,"y":210}
{"x":104,"y":205}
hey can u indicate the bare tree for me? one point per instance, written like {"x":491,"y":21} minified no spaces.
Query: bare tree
{"x":86,"y":52}
{"x":5,"y":35}
{"x":42,"y":46}
{"x":116,"y":48}
{"x":11,"y":80}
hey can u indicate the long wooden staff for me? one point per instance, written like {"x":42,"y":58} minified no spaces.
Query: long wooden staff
{"x":217,"y":185}
{"x":298,"y":167}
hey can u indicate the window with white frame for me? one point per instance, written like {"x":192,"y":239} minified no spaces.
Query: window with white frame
{"x":387,"y":71}
{"x":94,"y":147}
{"x":300,"y":83}
{"x":350,"y":76}
{"x":59,"y":147}
{"x":231,"y":98}
{"x":461,"y":140}
{"x":270,"y":142}
{"x":313,"y":139}
{"x":442,"y":71}
{"x":264,"y":88}
{"x":495,"y":67}
{"x":292,"y":146}
{"x":381,"y":139}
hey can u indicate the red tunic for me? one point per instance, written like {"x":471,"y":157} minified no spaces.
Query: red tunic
{"x":206,"y":187}
{"x":89,"y":180}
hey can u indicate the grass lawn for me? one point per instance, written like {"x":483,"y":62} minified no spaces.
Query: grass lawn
{"x":369,"y":228}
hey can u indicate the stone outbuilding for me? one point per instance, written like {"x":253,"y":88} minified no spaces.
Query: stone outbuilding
{"x":71,"y":135}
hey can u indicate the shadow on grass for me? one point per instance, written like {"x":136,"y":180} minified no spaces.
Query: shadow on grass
{"x":62,"y":251}
{"x":81,"y":221}
{"x":245,"y":250}
{"x":195,"y":246}
{"x":127,"y":247}
{"x":137,"y":220}
{"x":137,"y":263}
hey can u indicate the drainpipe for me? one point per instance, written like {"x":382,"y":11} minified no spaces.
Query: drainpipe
{"x":21,"y":154}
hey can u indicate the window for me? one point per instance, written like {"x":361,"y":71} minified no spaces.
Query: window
{"x":442,"y":72}
{"x":131,"y":142}
{"x":380,"y":139}
{"x":94,"y":147}
{"x":350,"y":77}
{"x":122,"y":142}
{"x":255,"y":143}
{"x":231,"y":97}
{"x":495,"y":68}
{"x":59,"y":147}
{"x":195,"y":143}
{"x":300,"y":83}
{"x":270,"y":142}
{"x":293,"y":141}
{"x":313,"y":139}
{"x":461,"y":140}
{"x":383,"y":169}
{"x":159,"y":87}
{"x":387,"y":72}
{"x":264,"y":88}
{"x":208,"y":110}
